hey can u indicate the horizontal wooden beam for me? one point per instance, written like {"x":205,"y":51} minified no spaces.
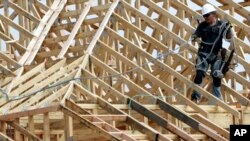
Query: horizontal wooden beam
{"x":13,"y":116}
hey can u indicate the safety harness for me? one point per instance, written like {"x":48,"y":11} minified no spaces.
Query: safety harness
{"x":221,"y":66}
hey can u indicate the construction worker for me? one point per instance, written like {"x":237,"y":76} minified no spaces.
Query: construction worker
{"x":209,"y":34}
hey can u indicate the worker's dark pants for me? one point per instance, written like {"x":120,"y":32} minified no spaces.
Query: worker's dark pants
{"x":201,"y":69}
{"x":199,"y":76}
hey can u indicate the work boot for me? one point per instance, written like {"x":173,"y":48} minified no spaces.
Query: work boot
{"x":195,"y":97}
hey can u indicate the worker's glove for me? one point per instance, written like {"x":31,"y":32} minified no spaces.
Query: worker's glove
{"x":228,"y":24}
{"x":195,"y":38}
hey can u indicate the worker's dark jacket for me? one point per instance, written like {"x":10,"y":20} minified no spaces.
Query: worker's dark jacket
{"x":209,"y":34}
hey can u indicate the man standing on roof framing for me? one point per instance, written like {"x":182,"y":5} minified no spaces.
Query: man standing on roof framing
{"x":210,"y":34}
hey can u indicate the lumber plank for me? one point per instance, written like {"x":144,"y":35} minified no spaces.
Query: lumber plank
{"x":102,"y":26}
{"x":189,"y":120}
{"x":24,"y":131}
{"x":155,"y":80}
{"x":16,"y":26}
{"x":75,"y":29}
{"x":12,"y":116}
{"x":42,"y":30}
{"x":6,"y":72}
{"x":23,"y":12}
{"x":4,"y":137}
{"x":159,"y":120}
{"x":88,"y":124}
{"x":46,"y":127}
{"x":15,"y":44}
{"x":205,"y":121}
{"x":9,"y":60}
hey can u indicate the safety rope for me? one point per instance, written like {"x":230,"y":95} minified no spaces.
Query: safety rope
{"x":159,"y":56}
{"x":221,"y":31}
{"x":21,"y":96}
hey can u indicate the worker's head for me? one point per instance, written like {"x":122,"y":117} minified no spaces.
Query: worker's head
{"x":209,"y":13}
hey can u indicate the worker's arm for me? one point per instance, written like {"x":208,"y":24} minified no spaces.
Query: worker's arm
{"x":229,"y":32}
{"x":195,"y":37}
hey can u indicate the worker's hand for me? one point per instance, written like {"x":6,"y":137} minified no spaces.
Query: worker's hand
{"x":195,"y":38}
{"x":198,"y":40}
{"x":228,"y":24}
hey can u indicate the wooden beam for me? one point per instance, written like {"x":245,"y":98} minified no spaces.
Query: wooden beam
{"x":12,"y":116}
{"x":238,"y":8}
{"x":9,"y":60}
{"x":108,"y":127}
{"x":112,"y":109}
{"x":68,"y":92}
{"x":24,"y":131}
{"x":4,"y":137}
{"x":89,"y":124}
{"x":42,"y":31}
{"x":68,"y":130}
{"x":159,"y":120}
{"x":6,"y":72}
{"x":30,"y":74}
{"x":20,"y":10}
{"x":212,"y":125}
{"x":15,"y":44}
{"x":189,"y":120}
{"x":171,"y":71}
{"x":75,"y":29}
{"x":16,"y":26}
{"x":46,"y":127}
{"x":102,"y":26}
{"x":149,"y":76}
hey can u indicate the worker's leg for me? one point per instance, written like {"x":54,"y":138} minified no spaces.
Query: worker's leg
{"x":216,"y":67}
{"x":201,"y":68}
{"x":216,"y":87}
{"x":198,"y":80}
